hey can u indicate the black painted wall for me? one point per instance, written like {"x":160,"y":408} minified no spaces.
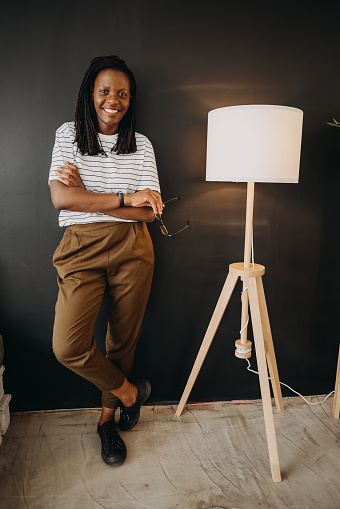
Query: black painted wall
{"x":188,"y":57}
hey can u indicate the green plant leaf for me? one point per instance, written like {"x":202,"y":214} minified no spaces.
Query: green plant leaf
{"x":337,"y":124}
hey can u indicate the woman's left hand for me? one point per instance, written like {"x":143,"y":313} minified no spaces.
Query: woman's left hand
{"x":69,"y":175}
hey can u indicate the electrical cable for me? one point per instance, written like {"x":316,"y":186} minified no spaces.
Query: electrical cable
{"x":246,"y":325}
{"x":252,"y":249}
{"x":308,"y":402}
{"x":256,"y":372}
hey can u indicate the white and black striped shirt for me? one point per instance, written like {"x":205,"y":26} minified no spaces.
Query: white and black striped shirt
{"x":126,"y":173}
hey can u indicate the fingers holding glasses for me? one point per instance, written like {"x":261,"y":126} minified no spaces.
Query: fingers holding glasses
{"x":145,"y":198}
{"x":158,"y":216}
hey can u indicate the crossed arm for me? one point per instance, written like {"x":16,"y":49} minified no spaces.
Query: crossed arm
{"x":69,"y":193}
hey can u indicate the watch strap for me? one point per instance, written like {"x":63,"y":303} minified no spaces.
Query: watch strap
{"x":121,"y":200}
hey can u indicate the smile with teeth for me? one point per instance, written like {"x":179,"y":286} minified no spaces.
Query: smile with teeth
{"x":111,"y":111}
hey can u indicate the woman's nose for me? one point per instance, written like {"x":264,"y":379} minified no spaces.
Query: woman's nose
{"x":113,"y":99}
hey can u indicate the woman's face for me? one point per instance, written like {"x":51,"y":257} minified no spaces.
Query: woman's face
{"x":111,"y":99}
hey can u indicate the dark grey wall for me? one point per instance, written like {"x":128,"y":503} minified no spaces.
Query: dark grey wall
{"x":189,"y":57}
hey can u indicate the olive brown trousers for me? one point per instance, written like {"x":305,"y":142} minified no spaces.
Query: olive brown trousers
{"x":90,"y":259}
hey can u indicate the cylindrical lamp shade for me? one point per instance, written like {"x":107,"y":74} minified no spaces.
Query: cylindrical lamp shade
{"x":254,"y":143}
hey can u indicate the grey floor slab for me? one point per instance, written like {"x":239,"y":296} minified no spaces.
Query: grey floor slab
{"x":214,"y":455}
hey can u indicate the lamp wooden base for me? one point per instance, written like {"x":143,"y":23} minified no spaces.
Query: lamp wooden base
{"x":265,"y":354}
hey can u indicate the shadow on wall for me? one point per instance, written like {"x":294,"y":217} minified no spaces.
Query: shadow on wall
{"x":326,"y":295}
{"x":33,"y":375}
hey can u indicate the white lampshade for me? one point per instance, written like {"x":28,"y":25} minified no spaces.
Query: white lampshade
{"x":254,"y":143}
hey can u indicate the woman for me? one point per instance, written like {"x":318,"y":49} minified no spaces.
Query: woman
{"x":104,"y":181}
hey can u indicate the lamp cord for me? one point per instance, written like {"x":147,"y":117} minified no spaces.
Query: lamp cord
{"x":308,"y":402}
{"x":252,"y":249}
{"x":249,"y":365}
{"x":256,"y":372}
{"x":252,"y":260}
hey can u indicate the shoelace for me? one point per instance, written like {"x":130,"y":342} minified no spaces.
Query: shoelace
{"x":124,"y":413}
{"x":109,"y":438}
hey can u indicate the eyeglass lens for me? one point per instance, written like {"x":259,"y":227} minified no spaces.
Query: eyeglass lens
{"x":162,"y":225}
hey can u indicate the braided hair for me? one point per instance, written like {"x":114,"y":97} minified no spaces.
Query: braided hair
{"x":86,"y":122}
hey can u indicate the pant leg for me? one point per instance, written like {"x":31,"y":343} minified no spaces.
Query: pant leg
{"x":129,"y":282}
{"x":81,"y":262}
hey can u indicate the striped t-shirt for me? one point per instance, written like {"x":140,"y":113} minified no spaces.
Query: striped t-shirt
{"x":125,"y":173}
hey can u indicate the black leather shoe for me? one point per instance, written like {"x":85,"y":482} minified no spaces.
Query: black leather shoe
{"x":113,"y":447}
{"x":129,"y":415}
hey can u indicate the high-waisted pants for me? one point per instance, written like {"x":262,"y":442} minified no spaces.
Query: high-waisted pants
{"x":90,"y":259}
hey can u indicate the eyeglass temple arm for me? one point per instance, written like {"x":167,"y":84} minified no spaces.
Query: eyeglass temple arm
{"x":171,"y":199}
{"x":179,"y":231}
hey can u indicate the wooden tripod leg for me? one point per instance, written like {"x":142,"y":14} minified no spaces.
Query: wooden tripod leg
{"x":221,"y":305}
{"x":336,"y":403}
{"x":263,"y":375}
{"x":269,"y":347}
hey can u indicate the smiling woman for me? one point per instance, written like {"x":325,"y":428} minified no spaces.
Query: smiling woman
{"x":104,"y":181}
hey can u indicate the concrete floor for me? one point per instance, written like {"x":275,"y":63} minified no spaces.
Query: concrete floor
{"x":214,"y":455}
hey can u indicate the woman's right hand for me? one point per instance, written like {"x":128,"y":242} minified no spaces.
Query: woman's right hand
{"x":145,"y":198}
{"x":69,"y":175}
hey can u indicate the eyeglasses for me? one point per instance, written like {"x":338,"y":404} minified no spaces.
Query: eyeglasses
{"x":162,"y":225}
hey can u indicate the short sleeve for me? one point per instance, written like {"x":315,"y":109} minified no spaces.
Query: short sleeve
{"x":62,"y":150}
{"x":149,"y":177}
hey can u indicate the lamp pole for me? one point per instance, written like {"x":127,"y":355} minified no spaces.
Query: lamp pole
{"x":243,"y":346}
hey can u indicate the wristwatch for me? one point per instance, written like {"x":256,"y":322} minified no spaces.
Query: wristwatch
{"x":121,"y":200}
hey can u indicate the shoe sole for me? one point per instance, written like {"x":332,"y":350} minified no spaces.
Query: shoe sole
{"x":148,"y":392}
{"x":115,"y":463}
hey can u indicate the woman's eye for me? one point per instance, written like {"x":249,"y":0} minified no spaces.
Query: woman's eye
{"x":102,"y":91}
{"x":123,"y":94}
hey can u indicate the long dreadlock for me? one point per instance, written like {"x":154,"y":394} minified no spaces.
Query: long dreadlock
{"x":86,"y":122}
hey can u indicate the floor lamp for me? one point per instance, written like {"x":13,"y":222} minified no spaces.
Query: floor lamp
{"x":254,"y":143}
